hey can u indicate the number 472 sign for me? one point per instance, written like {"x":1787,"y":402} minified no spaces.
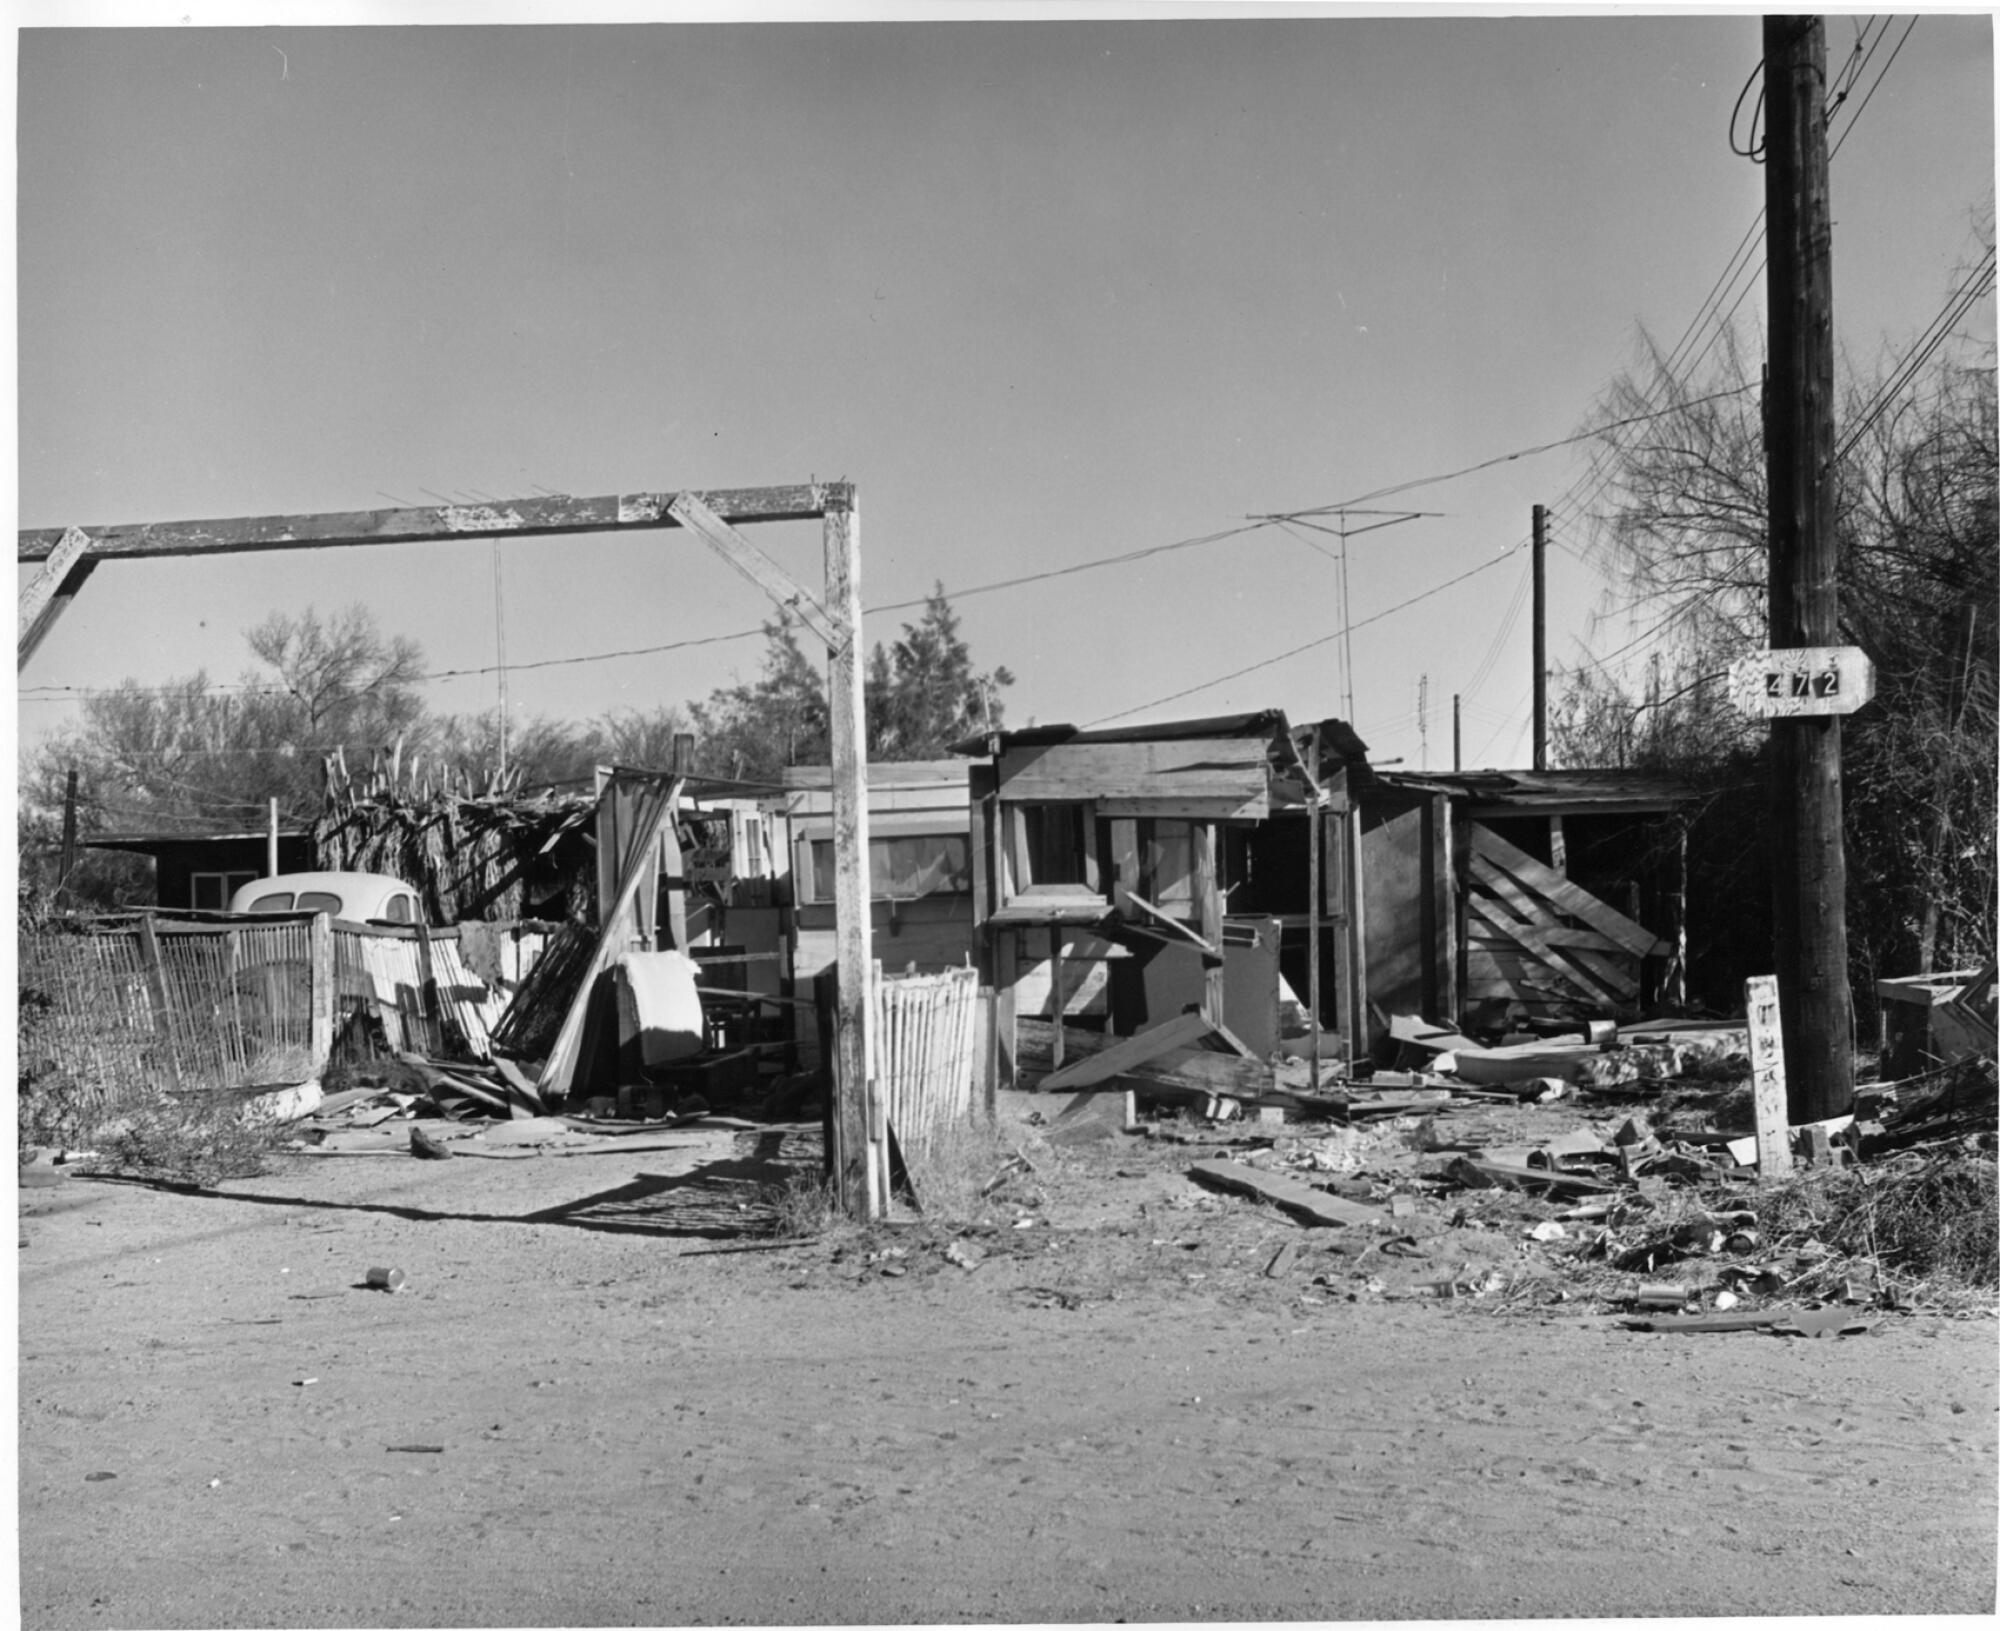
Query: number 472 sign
{"x":1802,"y":682}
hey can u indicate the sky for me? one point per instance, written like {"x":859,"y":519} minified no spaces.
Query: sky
{"x":1047,"y":291}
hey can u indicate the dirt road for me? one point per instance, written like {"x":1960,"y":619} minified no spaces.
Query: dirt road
{"x":599,"y":1402}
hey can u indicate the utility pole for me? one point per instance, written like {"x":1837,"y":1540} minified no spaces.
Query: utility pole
{"x":500,"y":658}
{"x":1810,"y":868}
{"x":1456,"y":738}
{"x":1541,"y":703}
{"x":68,"y":861}
{"x":1423,"y":721}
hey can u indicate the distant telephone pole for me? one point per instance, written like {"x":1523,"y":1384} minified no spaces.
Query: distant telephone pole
{"x":1810,"y":870}
{"x":1541,"y":609}
{"x":1455,"y":739}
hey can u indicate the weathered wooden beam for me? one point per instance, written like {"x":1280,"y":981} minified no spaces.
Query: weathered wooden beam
{"x":1127,"y":1053}
{"x":754,"y":564}
{"x":1310,"y":1206}
{"x":1208,"y":902}
{"x":618,"y":512}
{"x":1562,"y":894}
{"x":69,"y":549}
{"x":49,"y":595}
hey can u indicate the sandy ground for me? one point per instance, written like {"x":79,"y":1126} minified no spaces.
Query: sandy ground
{"x":603,"y":1400}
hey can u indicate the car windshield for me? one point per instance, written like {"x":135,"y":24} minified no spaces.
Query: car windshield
{"x":279,"y":902}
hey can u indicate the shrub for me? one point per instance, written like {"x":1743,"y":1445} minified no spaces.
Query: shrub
{"x":200,"y":1141}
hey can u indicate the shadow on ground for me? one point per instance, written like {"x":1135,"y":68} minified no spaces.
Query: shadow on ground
{"x":720,"y":1200}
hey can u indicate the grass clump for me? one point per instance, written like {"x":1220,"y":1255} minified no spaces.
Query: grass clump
{"x":196,"y":1141}
{"x":1928,"y":1219}
{"x":802,"y":1206}
{"x":964,"y":1177}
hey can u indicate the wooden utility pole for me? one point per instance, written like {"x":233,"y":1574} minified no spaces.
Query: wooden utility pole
{"x":1810,"y":870}
{"x":1541,"y":608}
{"x":1456,"y":737}
{"x":860,"y":1130}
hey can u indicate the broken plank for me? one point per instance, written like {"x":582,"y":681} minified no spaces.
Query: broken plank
{"x":1564,"y":895}
{"x":1128,"y":897}
{"x":1204,"y":1068}
{"x":1311,"y":1206}
{"x":1421,"y":1033}
{"x":1128,"y":1052}
{"x":1513,"y":1173}
{"x":524,"y":1098}
{"x":1549,"y":932}
{"x":1535,"y":940}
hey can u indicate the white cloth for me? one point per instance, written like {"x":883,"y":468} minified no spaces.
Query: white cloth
{"x":657,"y":999}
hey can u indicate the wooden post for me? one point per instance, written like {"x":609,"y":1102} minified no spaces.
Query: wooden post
{"x":1541,"y":659}
{"x":1809,"y":881}
{"x":983,"y":792}
{"x":860,"y":1163}
{"x":322,"y":987}
{"x":427,"y":998}
{"x":156,"y":995}
{"x":673,"y":872}
{"x":1767,"y":1076}
{"x":1333,"y":836}
{"x":1360,"y":1039}
{"x":1208,"y":898}
{"x":1006,"y":980}
{"x":1057,"y":1006}
{"x":67,"y":863}
{"x":271,"y":844}
{"x":1313,"y":835}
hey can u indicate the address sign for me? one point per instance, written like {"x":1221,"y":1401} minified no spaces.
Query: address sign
{"x":1802,"y":682}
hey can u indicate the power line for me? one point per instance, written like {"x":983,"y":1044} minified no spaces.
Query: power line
{"x":1679,"y":360}
{"x":1956,"y":307}
{"x":1504,"y":458}
{"x":1908,"y":29}
{"x":1268,"y":662}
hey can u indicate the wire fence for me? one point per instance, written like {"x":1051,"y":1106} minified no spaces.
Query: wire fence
{"x":124,"y":1011}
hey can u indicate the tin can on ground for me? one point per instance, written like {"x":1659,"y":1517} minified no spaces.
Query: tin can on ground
{"x":386,"y":1279}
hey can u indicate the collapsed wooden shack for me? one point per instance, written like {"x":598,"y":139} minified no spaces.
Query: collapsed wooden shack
{"x":1122,"y":877}
{"x":1267,"y":878}
{"x":641,"y":861}
{"x":1493,"y":897}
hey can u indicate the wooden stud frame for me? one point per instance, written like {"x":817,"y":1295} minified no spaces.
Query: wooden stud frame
{"x":860,"y":1144}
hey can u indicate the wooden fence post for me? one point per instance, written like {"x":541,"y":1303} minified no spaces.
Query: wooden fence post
{"x":156,"y":996}
{"x":323,"y":995}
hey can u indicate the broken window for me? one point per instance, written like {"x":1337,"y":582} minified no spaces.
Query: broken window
{"x":1054,"y":838}
{"x":210,"y":891}
{"x":906,"y":866}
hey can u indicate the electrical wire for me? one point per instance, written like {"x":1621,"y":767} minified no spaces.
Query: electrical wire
{"x":1324,"y":639}
{"x":1753,"y":149}
{"x":1504,"y":458}
{"x":1908,"y":29}
{"x":1978,"y":284}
